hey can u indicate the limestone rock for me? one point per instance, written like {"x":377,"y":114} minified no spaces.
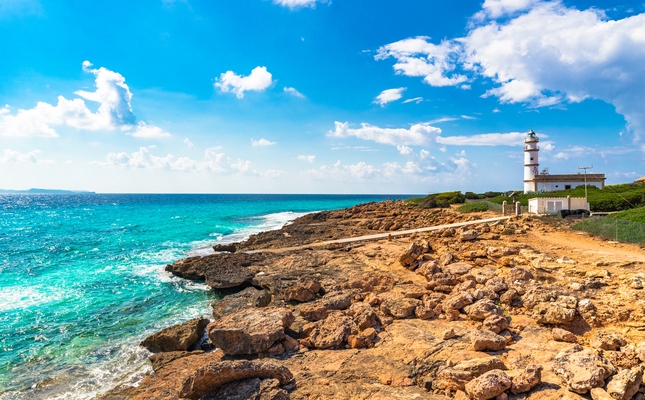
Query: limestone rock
{"x":479,"y":366}
{"x":600,"y":394}
{"x":607,"y":341}
{"x":520,"y":274}
{"x":219,"y":271}
{"x":489,"y":385}
{"x":457,"y":301}
{"x":484,"y":340}
{"x":364,"y":316}
{"x":158,"y":360}
{"x":213,"y":376}
{"x":178,"y":337}
{"x":400,"y":308}
{"x":329,"y":333}
{"x":302,"y":291}
{"x":459,"y":268}
{"x":562,"y":335}
{"x":320,"y":308}
{"x":527,"y":379}
{"x":581,"y":369}
{"x":250,"y":331}
{"x":640,"y":350}
{"x":467,"y":236}
{"x":413,"y":252}
{"x":255,"y":388}
{"x":553,"y":313}
{"x":249,"y":297}
{"x":483,"y":309}
{"x":625,"y":384}
{"x":496,"y":323}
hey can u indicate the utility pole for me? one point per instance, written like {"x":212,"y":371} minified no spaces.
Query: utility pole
{"x":586,"y":168}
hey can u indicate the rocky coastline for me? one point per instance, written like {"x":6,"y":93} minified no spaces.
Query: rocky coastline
{"x":522,"y":308}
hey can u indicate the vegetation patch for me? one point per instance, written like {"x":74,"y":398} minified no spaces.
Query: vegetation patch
{"x":438,"y":200}
{"x":473,"y":207}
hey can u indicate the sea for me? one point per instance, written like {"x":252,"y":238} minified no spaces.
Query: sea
{"x":82,"y":278}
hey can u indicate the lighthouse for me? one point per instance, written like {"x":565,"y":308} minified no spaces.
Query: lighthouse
{"x":530,"y":162}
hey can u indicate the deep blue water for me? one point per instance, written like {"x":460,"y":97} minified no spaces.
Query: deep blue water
{"x":82,"y":279}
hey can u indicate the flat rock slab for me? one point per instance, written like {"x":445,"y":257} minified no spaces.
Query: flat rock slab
{"x":250,"y":331}
{"x":212,"y":377}
{"x":247,"y":298}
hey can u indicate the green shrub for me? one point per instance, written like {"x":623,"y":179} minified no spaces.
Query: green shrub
{"x":473,"y":207}
{"x":439,"y":200}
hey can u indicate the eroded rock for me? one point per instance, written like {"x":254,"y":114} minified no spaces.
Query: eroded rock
{"x":581,"y":369}
{"x":489,"y":385}
{"x":178,"y":337}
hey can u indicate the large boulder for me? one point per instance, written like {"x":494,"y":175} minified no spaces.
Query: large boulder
{"x":320,"y":308}
{"x":489,"y":385}
{"x":178,"y":337}
{"x":329,"y":333}
{"x":211,"y":377}
{"x":582,"y":369}
{"x":250,"y":331}
{"x":247,"y":298}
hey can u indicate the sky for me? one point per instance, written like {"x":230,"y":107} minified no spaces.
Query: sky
{"x":317,"y":96}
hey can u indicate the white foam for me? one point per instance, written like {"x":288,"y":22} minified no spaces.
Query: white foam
{"x":15,"y":298}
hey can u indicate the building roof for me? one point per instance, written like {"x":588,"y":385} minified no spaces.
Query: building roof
{"x":569,"y":178}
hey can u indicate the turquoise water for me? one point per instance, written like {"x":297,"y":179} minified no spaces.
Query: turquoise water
{"x":82,"y":279}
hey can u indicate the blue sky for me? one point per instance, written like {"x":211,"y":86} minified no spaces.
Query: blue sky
{"x":306,"y":96}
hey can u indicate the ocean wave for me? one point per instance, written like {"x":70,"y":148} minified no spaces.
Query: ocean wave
{"x":263,"y":223}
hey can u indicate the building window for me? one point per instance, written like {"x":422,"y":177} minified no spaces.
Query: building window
{"x":531,"y":158}
{"x":556,"y":185}
{"x":567,"y":187}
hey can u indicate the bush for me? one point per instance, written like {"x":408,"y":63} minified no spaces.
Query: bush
{"x":473,"y":207}
{"x":440,"y":200}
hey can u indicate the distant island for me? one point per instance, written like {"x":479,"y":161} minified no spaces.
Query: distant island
{"x":46,"y":191}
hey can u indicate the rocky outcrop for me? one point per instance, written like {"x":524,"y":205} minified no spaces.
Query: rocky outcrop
{"x":247,"y":298}
{"x":250,"y":331}
{"x":212,"y":377}
{"x":219,"y":271}
{"x":176,"y":338}
{"x":330,"y":332}
{"x":581,"y":369}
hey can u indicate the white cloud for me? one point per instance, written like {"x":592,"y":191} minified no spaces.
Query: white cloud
{"x":418,"y":57}
{"x":468,"y":117}
{"x":212,"y":162}
{"x":294,"y":92}
{"x":114,"y":111}
{"x":485,"y":139}
{"x":404,"y":150}
{"x":309,"y":159}
{"x":12,"y":156}
{"x":413,"y":100}
{"x":292,"y":4}
{"x":497,"y":110}
{"x":417,"y":134}
{"x":262,"y":143}
{"x":188,"y":143}
{"x":388,"y":96}
{"x":145,"y":131}
{"x":543,"y":54}
{"x":340,"y":172}
{"x":259,"y":79}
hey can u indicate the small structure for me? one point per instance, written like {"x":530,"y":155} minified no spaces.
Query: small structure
{"x":551,"y":205}
{"x":536,"y":181}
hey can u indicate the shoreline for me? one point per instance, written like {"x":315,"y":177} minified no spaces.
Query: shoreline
{"x":403,"y":296}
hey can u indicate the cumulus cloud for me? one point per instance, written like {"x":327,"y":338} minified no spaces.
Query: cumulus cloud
{"x":12,"y":156}
{"x":417,"y":134}
{"x":485,"y":139}
{"x":145,"y":131}
{"x":114,"y":111}
{"x":259,"y":80}
{"x":292,"y":4}
{"x":294,"y":92}
{"x":388,"y":96}
{"x":309,"y":159}
{"x":341,"y":172}
{"x":404,"y":150}
{"x":262,"y":143}
{"x":188,"y":143}
{"x":542,"y":54}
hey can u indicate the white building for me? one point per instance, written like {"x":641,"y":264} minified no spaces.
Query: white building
{"x":536,"y":181}
{"x":551,"y":205}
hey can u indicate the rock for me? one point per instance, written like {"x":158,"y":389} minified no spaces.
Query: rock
{"x":467,"y":236}
{"x":364,"y":316}
{"x":607,"y":341}
{"x":600,"y":394}
{"x":520,"y":274}
{"x":441,"y":279}
{"x":585,"y":305}
{"x":320,"y":308}
{"x":250,"y":331}
{"x":496,"y":323}
{"x":452,"y":379}
{"x":561,"y":335}
{"x":302,"y":291}
{"x":508,"y":297}
{"x":553,"y":313}
{"x":625,"y":384}
{"x":158,"y":360}
{"x":362,"y":339}
{"x":537,"y":295}
{"x":219,"y":271}
{"x":483,"y":309}
{"x":268,"y":389}
{"x":479,"y":366}
{"x":527,"y":379}
{"x":640,"y":351}
{"x":230,"y":248}
{"x":413,"y":252}
{"x":329,"y":333}
{"x":457,"y":301}
{"x":496,"y":284}
{"x":484,"y":340}
{"x":459,"y":268}
{"x":581,"y":369}
{"x":423,"y":312}
{"x":448,"y":334}
{"x":249,"y":297}
{"x":178,"y":337}
{"x":213,"y":376}
{"x":489,"y":385}
{"x":400,"y":308}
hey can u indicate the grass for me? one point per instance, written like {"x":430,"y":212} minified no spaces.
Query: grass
{"x":613,"y":229}
{"x":473,"y":207}
{"x":438,"y":200}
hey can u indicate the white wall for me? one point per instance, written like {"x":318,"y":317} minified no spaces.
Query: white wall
{"x":551,"y":205}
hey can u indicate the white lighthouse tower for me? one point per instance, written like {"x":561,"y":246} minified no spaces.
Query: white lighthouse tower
{"x":530,"y":162}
